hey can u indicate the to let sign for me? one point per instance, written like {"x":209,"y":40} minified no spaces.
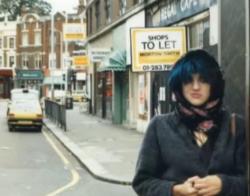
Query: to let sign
{"x":157,"y":49}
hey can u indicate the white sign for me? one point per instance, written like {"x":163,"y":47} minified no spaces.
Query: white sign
{"x":97,"y":55}
{"x":81,"y":76}
{"x":157,"y":49}
{"x":162,"y":96}
{"x":74,"y":32}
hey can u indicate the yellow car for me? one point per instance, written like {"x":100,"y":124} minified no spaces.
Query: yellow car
{"x":78,"y":96}
{"x":24,"y":109}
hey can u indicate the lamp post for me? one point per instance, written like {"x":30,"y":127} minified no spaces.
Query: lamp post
{"x":66,"y":56}
{"x":52,"y":65}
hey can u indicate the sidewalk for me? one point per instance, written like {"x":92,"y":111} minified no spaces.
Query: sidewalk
{"x":108,"y":151}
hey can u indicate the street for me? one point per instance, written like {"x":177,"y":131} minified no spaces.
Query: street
{"x":34,"y":163}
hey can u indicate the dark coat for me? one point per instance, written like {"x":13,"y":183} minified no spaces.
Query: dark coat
{"x":168,"y":156}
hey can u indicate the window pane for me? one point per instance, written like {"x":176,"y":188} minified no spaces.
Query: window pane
{"x":38,"y":38}
{"x":12,"y":42}
{"x":25,"y":39}
{"x":196,"y":33}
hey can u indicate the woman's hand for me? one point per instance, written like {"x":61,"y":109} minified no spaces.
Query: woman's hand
{"x":184,"y":189}
{"x":207,"y":186}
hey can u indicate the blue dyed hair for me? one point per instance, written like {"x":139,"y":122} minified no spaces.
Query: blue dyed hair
{"x":197,"y":62}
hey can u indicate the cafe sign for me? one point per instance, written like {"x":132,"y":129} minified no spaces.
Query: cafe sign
{"x":157,"y":49}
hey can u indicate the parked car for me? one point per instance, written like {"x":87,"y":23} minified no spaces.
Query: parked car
{"x":24,"y":109}
{"x":79,"y":96}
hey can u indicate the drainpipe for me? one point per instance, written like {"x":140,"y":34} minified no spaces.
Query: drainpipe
{"x":247,"y":6}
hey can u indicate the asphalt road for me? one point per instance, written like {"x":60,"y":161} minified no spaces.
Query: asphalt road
{"x":34,"y":163}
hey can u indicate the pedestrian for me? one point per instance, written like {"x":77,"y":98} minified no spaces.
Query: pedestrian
{"x":199,"y":148}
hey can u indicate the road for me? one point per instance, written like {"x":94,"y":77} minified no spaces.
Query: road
{"x":34,"y":163}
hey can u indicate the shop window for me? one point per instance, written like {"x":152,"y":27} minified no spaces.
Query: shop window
{"x":123,"y":4}
{"x":12,"y":42}
{"x":108,"y":11}
{"x":196,"y":33}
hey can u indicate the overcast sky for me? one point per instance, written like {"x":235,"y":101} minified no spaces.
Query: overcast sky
{"x":63,"y":5}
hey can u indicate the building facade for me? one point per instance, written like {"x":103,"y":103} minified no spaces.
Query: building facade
{"x":7,"y":55}
{"x":138,"y":96}
{"x":43,"y":57}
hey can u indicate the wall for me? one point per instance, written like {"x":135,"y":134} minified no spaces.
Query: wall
{"x":233,"y":53}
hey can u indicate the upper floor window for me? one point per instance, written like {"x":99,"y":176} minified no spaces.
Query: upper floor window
{"x":90,"y":21}
{"x":108,"y":11}
{"x":1,"y":61}
{"x":196,"y":33}
{"x":25,"y":62}
{"x":123,"y":4}
{"x":38,"y":40}
{"x":12,"y":42}
{"x":1,"y":43}
{"x":25,"y":39}
{"x":11,"y":61}
{"x":38,"y":61}
{"x":97,"y":14}
{"x":135,"y":2}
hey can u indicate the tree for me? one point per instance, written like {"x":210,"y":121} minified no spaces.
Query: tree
{"x":14,"y":7}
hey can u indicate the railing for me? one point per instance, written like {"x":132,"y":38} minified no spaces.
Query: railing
{"x":56,"y":112}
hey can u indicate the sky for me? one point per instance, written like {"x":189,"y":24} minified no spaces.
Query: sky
{"x":63,"y":5}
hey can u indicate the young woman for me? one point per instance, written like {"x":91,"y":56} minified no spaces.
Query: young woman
{"x":193,"y":151}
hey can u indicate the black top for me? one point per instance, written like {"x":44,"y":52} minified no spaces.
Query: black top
{"x":169,"y":155}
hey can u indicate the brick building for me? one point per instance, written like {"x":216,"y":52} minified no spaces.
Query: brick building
{"x":35,"y":51}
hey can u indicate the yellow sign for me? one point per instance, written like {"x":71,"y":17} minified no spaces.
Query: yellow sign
{"x":74,"y":32}
{"x":157,"y":49}
{"x":80,"y":60}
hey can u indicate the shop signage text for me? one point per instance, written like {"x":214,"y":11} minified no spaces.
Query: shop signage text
{"x":177,"y":9}
{"x":157,"y":49}
{"x":74,"y":32}
{"x":97,"y":55}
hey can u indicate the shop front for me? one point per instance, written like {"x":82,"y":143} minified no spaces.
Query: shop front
{"x":6,"y":82}
{"x":112,"y":88}
{"x":195,"y":17}
{"x":31,"y":79}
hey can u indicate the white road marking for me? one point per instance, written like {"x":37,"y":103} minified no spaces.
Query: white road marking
{"x":74,"y":173}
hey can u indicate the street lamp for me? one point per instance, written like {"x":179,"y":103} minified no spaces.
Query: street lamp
{"x":52,"y":61}
{"x":64,"y":64}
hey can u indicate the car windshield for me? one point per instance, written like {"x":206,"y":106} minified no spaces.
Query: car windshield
{"x":24,"y":96}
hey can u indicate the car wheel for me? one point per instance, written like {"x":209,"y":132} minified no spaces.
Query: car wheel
{"x":39,"y":128}
{"x":11,"y":128}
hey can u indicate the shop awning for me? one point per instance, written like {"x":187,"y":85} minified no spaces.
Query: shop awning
{"x":116,"y":61}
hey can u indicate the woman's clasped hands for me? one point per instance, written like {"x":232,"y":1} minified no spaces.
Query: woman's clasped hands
{"x":196,"y":186}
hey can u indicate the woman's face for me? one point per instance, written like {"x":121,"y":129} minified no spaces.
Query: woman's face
{"x":197,"y":91}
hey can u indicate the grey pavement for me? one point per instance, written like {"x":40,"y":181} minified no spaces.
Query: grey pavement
{"x":108,"y":151}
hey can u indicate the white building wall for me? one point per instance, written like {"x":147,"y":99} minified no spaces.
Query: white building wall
{"x":135,"y":121}
{"x":7,"y":31}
